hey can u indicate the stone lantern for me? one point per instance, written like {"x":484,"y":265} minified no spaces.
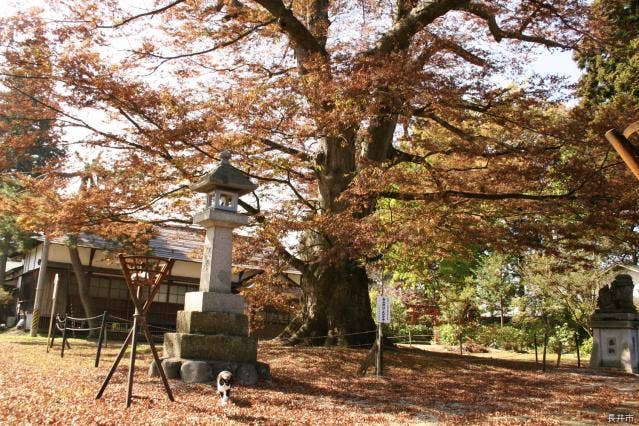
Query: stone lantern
{"x":615,"y":327}
{"x":222,"y":187}
{"x":212,"y":330}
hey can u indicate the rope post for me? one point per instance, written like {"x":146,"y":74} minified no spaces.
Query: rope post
{"x":134,"y":343}
{"x":105,"y":314}
{"x":379,"y":360}
{"x":52,"y":314}
{"x":64,"y":338}
{"x":53,"y":331}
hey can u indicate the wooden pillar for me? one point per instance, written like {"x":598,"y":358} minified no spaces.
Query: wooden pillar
{"x":42,"y":277}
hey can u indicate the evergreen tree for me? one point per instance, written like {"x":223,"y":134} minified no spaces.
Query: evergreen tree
{"x":611,"y":61}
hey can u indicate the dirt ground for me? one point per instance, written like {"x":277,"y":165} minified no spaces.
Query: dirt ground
{"x":312,"y":386}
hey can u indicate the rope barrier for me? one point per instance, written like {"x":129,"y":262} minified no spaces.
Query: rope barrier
{"x":82,"y":329}
{"x":120,"y":318}
{"x":338,"y":335}
{"x":84,"y":319}
{"x":74,"y":324}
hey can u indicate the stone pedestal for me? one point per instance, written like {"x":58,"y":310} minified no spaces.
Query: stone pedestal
{"x":615,"y":341}
{"x":206,"y":343}
{"x":204,"y":301}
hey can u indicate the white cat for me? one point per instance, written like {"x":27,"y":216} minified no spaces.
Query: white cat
{"x":224,"y":380}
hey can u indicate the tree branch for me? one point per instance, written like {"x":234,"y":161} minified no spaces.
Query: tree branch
{"x":286,"y":149}
{"x":499,"y":33}
{"x":425,"y":12}
{"x":227,"y":43}
{"x":431,"y":196}
{"x":397,"y":156}
{"x":294,"y":29}
{"x":141,"y":15}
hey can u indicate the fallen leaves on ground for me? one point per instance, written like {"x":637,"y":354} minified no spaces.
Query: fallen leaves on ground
{"x":309,"y":386}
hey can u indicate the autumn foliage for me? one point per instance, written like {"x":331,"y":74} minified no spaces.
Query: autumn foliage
{"x":369,"y":126}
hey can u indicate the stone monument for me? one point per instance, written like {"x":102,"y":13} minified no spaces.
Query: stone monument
{"x":615,"y":327}
{"x":212,"y":330}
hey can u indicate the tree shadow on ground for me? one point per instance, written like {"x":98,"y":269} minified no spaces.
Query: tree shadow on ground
{"x":457,"y":384}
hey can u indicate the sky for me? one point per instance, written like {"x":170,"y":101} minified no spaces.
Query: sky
{"x":548,"y":62}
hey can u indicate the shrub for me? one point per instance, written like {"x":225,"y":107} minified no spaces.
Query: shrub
{"x":506,"y":337}
{"x":564,"y":335}
{"x":448,"y":334}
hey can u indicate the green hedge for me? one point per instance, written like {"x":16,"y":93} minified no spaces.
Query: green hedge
{"x":507,"y":337}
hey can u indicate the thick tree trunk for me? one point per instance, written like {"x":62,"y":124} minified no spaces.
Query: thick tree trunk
{"x":83,"y":286}
{"x":337,"y":308}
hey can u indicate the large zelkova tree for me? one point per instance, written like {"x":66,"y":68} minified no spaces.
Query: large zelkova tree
{"x":369,"y":125}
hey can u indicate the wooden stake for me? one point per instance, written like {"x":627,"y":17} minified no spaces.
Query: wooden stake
{"x":101,"y":337}
{"x":379,"y":364}
{"x":54,"y":298}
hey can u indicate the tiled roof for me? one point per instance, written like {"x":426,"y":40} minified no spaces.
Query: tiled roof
{"x":179,"y":243}
{"x":183,"y":243}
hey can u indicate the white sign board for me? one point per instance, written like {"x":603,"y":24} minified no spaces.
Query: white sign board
{"x":383,"y":309}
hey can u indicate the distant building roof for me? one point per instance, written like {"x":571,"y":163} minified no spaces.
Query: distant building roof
{"x":179,"y":243}
{"x":183,"y":243}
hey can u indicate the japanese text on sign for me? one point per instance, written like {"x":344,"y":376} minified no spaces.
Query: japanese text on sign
{"x":383,"y":309}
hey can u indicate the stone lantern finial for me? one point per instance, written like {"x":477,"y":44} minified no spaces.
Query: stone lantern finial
{"x":225,"y":157}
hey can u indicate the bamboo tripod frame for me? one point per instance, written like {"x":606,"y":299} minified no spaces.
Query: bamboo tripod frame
{"x":140,"y":272}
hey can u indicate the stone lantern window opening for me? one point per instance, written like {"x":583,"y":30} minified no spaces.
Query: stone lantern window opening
{"x":225,"y":200}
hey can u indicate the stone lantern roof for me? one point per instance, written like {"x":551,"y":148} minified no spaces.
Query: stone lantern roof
{"x":225,"y":176}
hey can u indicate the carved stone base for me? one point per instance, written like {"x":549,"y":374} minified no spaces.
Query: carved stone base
{"x":231,"y":324}
{"x":210,"y":347}
{"x":615,"y":341}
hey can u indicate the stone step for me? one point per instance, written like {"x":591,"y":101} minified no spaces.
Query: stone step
{"x":231,"y":324}
{"x":198,"y":371}
{"x":210,"y":347}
